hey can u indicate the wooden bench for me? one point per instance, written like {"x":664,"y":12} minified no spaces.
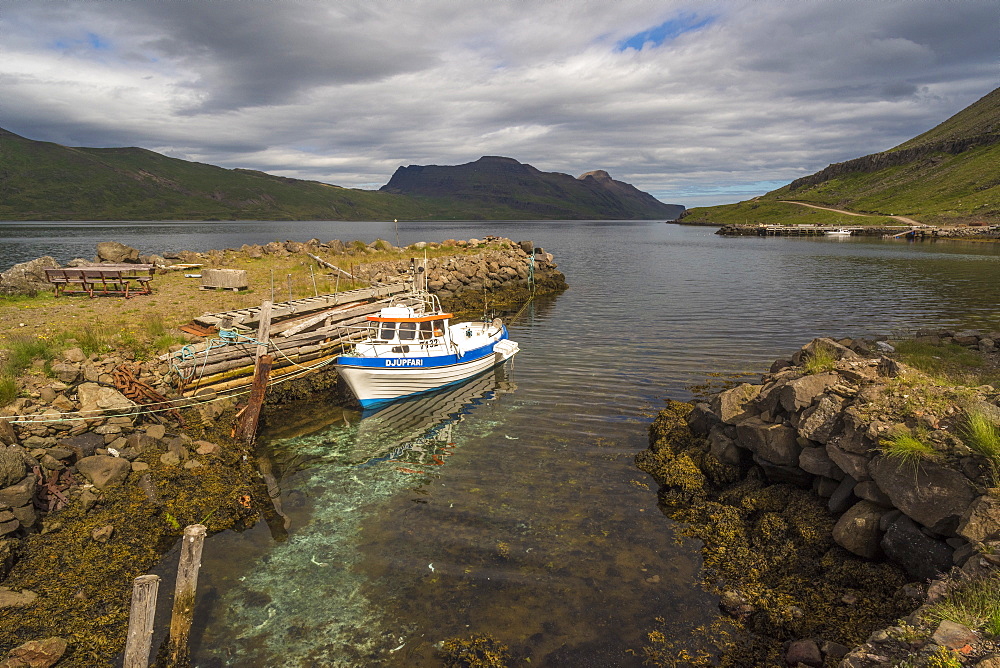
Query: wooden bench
{"x":106,"y":279}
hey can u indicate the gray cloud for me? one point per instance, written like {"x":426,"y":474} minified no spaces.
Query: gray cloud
{"x":737,"y":97}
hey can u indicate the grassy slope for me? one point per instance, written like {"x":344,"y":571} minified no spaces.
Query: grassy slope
{"x":936,"y":188}
{"x":46,"y":181}
{"x":40,"y":180}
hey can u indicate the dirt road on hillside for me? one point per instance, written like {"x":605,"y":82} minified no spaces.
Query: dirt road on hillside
{"x":902,"y":219}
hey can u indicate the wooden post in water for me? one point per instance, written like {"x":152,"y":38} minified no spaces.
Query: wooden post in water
{"x":140,"y":621}
{"x":184,"y":593}
{"x":247,"y":428}
{"x":263,"y":328}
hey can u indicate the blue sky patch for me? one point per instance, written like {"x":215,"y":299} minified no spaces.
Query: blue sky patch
{"x":89,"y":40}
{"x":668,"y":30}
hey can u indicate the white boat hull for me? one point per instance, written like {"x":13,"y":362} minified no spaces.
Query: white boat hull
{"x":375,"y":385}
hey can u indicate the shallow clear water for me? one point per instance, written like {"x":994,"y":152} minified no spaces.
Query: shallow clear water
{"x":511,"y":505}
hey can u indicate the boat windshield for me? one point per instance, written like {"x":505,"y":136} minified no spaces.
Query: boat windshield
{"x":407,"y":331}
{"x":387,"y":332}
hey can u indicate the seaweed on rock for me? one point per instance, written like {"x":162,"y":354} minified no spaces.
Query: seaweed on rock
{"x":768,"y":552}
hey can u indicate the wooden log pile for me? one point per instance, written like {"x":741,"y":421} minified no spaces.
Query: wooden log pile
{"x":304,"y":332}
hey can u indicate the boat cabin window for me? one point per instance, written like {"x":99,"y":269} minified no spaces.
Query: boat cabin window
{"x":387,"y":332}
{"x":407,"y":331}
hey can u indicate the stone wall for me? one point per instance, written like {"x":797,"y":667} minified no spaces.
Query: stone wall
{"x":828,"y":429}
{"x":936,"y":514}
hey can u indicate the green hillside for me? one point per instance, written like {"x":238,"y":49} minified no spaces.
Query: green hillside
{"x":46,"y":181}
{"x":947,"y":175}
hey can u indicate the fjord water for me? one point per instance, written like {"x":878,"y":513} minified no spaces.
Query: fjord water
{"x":510,"y":505}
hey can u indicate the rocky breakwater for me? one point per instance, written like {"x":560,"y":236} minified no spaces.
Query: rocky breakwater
{"x":94,"y":487}
{"x":500,"y":272}
{"x":891,"y":475}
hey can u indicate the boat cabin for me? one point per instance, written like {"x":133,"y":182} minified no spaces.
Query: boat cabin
{"x":400,"y":326}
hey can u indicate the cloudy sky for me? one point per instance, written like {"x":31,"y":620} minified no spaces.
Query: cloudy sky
{"x":695,"y":101}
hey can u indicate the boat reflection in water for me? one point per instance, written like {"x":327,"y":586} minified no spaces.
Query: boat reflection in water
{"x":416,"y":434}
{"x":327,"y":480}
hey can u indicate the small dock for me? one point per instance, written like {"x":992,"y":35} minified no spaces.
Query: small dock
{"x":916,"y":233}
{"x":804,"y":230}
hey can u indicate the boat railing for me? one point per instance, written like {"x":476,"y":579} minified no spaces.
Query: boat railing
{"x":365,"y":334}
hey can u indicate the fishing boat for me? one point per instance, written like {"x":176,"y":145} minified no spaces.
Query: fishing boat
{"x":839,"y":232}
{"x":412,"y":347}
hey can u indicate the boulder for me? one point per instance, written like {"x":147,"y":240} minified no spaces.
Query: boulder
{"x":116,"y":253}
{"x":776,"y":443}
{"x":931,"y":494}
{"x":816,"y":461}
{"x":953,"y":635}
{"x":857,"y":529}
{"x":12,"y":467}
{"x":852,"y":464}
{"x":822,"y":419}
{"x":838,"y":351}
{"x":923,"y":557}
{"x":869,"y":491}
{"x":701,"y":419}
{"x":37,"y":653}
{"x":769,"y":400}
{"x":143,"y":443}
{"x":66,"y":372}
{"x":800,"y":393}
{"x":7,"y":434}
{"x":19,"y":494}
{"x":104,"y":471}
{"x":843,"y":497}
{"x":8,"y":522}
{"x":805,"y":652}
{"x":724,"y":448}
{"x":83,"y":445}
{"x":16,"y":599}
{"x":95,"y":399}
{"x":735,"y":404}
{"x":981,"y":521}
{"x":27,"y":277}
{"x":102,"y":534}
{"x":26,"y":515}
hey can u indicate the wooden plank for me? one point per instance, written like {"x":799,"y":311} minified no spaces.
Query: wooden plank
{"x":307,"y":322}
{"x":301,"y":306}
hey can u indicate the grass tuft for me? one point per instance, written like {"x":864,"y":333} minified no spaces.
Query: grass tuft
{"x":8,"y":388}
{"x":975,"y":605}
{"x":820,"y":360}
{"x":908,"y":448}
{"x":982,"y":435}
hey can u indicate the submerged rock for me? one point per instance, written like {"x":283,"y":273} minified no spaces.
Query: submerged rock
{"x":103,"y":471}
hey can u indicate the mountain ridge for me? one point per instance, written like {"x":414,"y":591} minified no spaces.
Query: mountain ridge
{"x":49,"y":181}
{"x":500,"y":180}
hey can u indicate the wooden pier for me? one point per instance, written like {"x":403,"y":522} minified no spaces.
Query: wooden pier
{"x":803,"y":230}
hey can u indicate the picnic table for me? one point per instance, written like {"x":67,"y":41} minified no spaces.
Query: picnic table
{"x":106,"y":279}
